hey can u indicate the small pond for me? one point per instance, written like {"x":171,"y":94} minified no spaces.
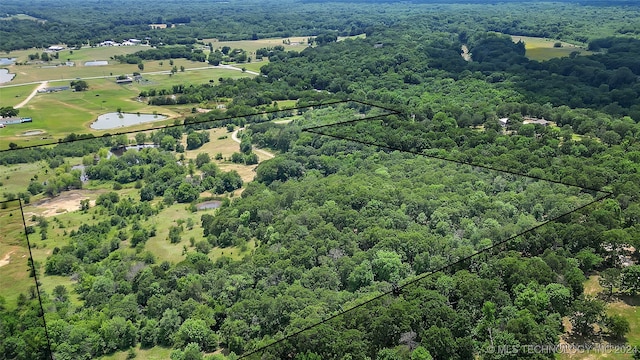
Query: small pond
{"x":213,"y":204}
{"x":96,"y":63}
{"x":5,"y":76}
{"x":7,"y":61}
{"x":32,"y":132}
{"x":116,"y":120}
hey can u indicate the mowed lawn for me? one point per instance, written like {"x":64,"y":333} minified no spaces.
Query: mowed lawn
{"x":543,"y":49}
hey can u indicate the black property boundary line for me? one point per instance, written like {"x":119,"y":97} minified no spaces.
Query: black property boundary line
{"x":397,"y":289}
{"x":313,"y":130}
{"x":461,"y":162}
{"x":24,"y":224}
{"x":423,"y":276}
{"x":34,"y":272}
{"x":108,"y":135}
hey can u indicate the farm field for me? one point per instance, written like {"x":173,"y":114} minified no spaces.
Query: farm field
{"x":56,"y":115}
{"x":543,"y":49}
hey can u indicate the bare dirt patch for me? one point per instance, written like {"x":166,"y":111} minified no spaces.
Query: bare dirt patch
{"x":246,"y":172}
{"x":67,"y":202}
{"x":465,"y":53}
{"x":6,"y":259}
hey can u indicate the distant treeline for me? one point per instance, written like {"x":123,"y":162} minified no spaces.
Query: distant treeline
{"x":163,"y":53}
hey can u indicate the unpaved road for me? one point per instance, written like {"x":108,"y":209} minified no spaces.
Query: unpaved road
{"x":234,"y":137}
{"x":33,"y":93}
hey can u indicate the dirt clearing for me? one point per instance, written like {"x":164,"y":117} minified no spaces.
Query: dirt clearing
{"x":67,"y":202}
{"x":7,"y":258}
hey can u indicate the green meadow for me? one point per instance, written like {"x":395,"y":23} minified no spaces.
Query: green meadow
{"x":12,"y":96}
{"x":58,"y":114}
{"x":541,"y":49}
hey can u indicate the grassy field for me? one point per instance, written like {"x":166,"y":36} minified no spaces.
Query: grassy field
{"x":12,"y":96}
{"x":164,"y":250}
{"x":57,"y":114}
{"x":65,"y":112}
{"x":16,"y":178}
{"x":26,"y":74}
{"x":14,"y":253}
{"x":225,"y":146}
{"x":542,"y":49}
{"x":254,"y":66}
{"x":626,"y":306}
{"x":297,"y":43}
{"x":14,"y":275}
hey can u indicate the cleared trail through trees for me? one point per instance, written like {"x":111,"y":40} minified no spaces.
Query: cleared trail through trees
{"x":234,"y":137}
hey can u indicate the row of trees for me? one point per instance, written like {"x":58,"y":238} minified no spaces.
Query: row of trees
{"x":162,"y":53}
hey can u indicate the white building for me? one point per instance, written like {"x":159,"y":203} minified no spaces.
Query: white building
{"x":108,"y":43}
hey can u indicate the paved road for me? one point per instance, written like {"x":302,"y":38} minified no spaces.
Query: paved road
{"x":234,"y":137}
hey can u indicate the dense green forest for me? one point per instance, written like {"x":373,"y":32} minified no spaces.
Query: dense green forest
{"x":379,"y":225}
{"x":235,"y":20}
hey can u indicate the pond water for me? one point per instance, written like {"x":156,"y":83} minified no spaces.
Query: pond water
{"x":5,"y":76}
{"x":7,"y":61}
{"x":32,"y":132}
{"x":213,"y":204}
{"x":96,"y":63}
{"x":116,"y":120}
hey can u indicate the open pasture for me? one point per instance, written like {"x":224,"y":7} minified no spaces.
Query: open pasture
{"x":58,"y":114}
{"x":16,"y":177}
{"x":254,"y":65}
{"x":14,"y":253}
{"x":352,"y":37}
{"x":12,"y":96}
{"x":64,"y":112}
{"x":195,"y":77}
{"x":298,"y":43}
{"x":31,"y":73}
{"x":543,"y":49}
